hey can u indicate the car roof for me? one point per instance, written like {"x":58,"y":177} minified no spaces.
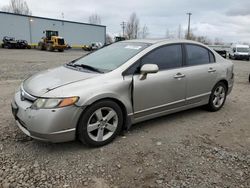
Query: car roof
{"x":155,"y":41}
{"x":242,"y":45}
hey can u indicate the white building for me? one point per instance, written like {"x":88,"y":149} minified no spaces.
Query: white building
{"x":31,"y":28}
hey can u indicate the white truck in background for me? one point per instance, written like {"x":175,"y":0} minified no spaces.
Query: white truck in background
{"x":239,"y":51}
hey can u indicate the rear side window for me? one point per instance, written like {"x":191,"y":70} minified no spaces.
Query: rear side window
{"x":166,"y":57}
{"x":197,"y":55}
{"x":211,"y":57}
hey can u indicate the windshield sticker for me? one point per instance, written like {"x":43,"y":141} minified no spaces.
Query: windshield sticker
{"x":133,"y":47}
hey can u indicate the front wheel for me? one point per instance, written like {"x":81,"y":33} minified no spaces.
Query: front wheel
{"x":217,"y":97}
{"x":100,"y":123}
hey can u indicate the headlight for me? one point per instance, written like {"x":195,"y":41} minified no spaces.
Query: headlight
{"x":45,"y":103}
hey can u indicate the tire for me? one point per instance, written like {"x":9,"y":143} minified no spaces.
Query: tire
{"x":60,"y":50}
{"x":217,"y":97}
{"x":49,"y":47}
{"x":102,"y":131}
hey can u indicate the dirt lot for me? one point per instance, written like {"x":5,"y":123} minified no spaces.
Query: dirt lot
{"x":194,"y":148}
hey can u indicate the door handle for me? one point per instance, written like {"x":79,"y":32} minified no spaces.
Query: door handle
{"x":179,"y":75}
{"x":211,"y":69}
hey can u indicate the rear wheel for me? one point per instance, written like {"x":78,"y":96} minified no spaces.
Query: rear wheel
{"x":217,"y":97}
{"x":100,"y":123}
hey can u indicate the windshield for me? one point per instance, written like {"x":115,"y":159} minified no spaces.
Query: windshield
{"x":242,"y":49}
{"x":112,"y":56}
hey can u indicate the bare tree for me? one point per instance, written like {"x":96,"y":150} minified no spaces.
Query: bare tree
{"x":218,"y":41}
{"x":18,"y":7}
{"x":167,"y":34}
{"x":94,"y":19}
{"x":132,"y":27}
{"x":203,"y":39}
{"x":179,"y":32}
{"x":170,"y":34}
{"x":109,"y":39}
{"x":145,"y":32}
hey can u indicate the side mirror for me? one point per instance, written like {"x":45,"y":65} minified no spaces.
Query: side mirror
{"x":148,"y":69}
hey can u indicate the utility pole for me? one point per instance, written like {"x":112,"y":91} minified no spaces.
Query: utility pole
{"x":189,"y":17}
{"x":179,"y":32}
{"x":123,"y":24}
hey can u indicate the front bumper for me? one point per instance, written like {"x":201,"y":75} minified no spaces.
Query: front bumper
{"x":53,"y":125}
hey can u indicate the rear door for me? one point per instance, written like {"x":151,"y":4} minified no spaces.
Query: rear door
{"x":200,"y":71}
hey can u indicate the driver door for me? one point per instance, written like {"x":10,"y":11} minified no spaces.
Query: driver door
{"x":162,"y":91}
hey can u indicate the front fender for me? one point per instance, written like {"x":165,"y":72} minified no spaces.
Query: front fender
{"x":120,"y":92}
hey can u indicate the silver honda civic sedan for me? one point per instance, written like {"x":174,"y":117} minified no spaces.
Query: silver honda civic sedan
{"x":96,"y":96}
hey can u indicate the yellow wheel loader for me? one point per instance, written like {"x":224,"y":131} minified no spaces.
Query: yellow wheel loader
{"x":52,"y":42}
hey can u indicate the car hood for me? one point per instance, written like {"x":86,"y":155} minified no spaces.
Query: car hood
{"x":48,"y":80}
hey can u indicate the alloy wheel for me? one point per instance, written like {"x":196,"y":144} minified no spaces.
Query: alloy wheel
{"x":219,"y":96}
{"x":102,"y":124}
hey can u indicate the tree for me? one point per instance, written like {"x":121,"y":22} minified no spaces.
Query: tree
{"x":179,"y":32}
{"x":94,"y":19}
{"x":17,"y":7}
{"x":109,"y":39}
{"x":169,"y":35}
{"x":144,"y":32}
{"x":132,"y":27}
{"x":203,"y":39}
{"x":218,"y":41}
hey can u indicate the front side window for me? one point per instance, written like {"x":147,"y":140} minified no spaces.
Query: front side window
{"x":166,"y":57}
{"x":197,"y":55}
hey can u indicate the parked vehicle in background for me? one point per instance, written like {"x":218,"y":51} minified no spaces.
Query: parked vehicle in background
{"x":239,"y":51}
{"x":11,"y":43}
{"x":96,"y":96}
{"x":23,"y":44}
{"x":51,"y":42}
{"x":92,"y":46}
{"x":222,"y":52}
{"x":118,"y":39}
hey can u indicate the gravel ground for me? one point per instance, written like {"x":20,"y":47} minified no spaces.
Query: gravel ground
{"x":194,"y":148}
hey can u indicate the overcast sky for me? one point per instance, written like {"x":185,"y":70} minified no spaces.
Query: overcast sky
{"x":228,"y":20}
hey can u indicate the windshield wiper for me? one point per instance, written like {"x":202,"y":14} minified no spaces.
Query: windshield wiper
{"x":85,"y":67}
